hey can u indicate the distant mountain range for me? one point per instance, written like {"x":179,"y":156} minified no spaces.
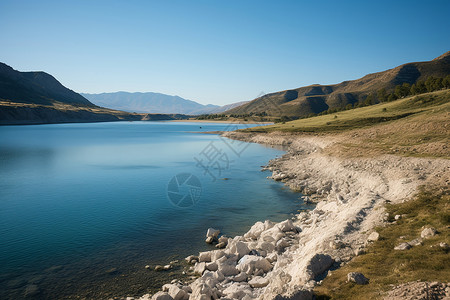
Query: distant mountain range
{"x":154,"y":103}
{"x":317,"y":98}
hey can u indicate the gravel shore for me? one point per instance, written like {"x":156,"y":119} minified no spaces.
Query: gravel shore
{"x":286,"y":260}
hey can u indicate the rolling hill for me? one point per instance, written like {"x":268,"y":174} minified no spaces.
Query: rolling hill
{"x":316,"y":98}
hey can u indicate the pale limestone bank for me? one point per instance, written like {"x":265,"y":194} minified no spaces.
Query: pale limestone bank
{"x":286,"y":260}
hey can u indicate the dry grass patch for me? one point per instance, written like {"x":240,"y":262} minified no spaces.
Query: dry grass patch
{"x":386,"y":267}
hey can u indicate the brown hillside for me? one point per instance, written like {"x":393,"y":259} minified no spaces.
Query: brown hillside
{"x":317,"y":98}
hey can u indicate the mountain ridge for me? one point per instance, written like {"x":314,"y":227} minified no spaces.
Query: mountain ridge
{"x":36,"y":87}
{"x":146,"y":102}
{"x":313,"y":99}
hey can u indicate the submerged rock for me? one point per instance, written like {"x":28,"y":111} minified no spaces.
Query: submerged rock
{"x":31,"y":290}
{"x":211,"y":232}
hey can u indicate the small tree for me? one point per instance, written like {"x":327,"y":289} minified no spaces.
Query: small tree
{"x":382,"y":95}
{"x":446,"y":82}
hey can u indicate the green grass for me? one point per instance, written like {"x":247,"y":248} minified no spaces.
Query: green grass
{"x":385,"y":266}
{"x":364,"y":116}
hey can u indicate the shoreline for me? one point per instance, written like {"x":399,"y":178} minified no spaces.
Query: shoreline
{"x":222,"y":121}
{"x":294,"y":255}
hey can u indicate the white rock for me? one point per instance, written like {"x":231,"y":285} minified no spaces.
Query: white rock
{"x":239,"y":248}
{"x":286,"y":225}
{"x":191,"y":259}
{"x":212,"y":266}
{"x":240,"y":277}
{"x":237,"y":291}
{"x":374,"y":236}
{"x":415,"y":242}
{"x":428,"y":232}
{"x":272,"y":235}
{"x":265,"y":246}
{"x":250,"y":263}
{"x":228,"y":269}
{"x":258,"y":282}
{"x":211,"y":232}
{"x":176,"y":293}
{"x":272,"y":257}
{"x":201,"y":291}
{"x":199,"y":268}
{"x":223,"y":239}
{"x":162,"y":296}
{"x":221,"y":245}
{"x":402,"y":246}
{"x":215,"y":255}
{"x":255,"y":231}
{"x":357,"y":278}
{"x":204,"y":256}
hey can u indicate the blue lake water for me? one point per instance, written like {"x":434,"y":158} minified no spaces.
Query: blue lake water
{"x":79,"y":199}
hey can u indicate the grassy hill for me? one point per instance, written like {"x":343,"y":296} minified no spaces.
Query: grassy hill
{"x":417,"y":126}
{"x":314,"y":99}
{"x":38,"y":98}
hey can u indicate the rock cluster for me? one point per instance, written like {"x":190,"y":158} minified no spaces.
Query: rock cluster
{"x":426,"y":233}
{"x":419,"y":290}
{"x":241,"y":270}
{"x":283,"y":261}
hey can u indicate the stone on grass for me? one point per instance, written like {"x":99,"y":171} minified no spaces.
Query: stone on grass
{"x":374,"y":236}
{"x":415,"y":242}
{"x":357,"y":278}
{"x":402,"y":246}
{"x":444,"y":246}
{"x":428,"y":232}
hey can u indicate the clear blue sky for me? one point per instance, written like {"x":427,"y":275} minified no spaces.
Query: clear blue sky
{"x":217,"y":51}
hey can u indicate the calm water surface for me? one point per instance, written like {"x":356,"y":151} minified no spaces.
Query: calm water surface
{"x":84,"y":207}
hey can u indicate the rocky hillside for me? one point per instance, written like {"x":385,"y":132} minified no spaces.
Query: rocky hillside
{"x":316,"y":98}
